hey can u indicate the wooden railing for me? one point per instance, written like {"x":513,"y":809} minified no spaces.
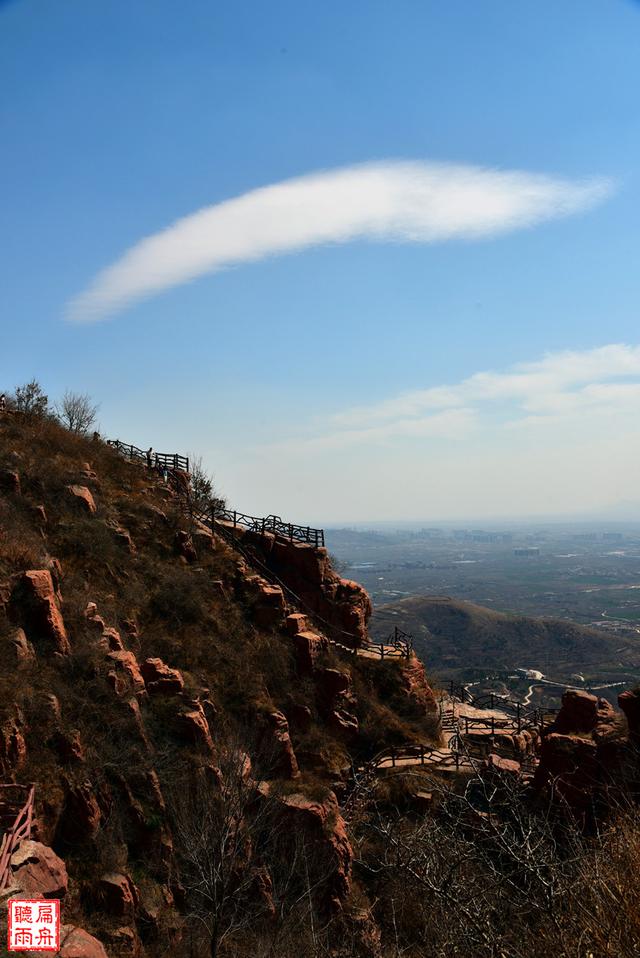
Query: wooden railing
{"x":268,"y":524}
{"x":172,"y":460}
{"x":522,"y":717}
{"x":21,"y":829}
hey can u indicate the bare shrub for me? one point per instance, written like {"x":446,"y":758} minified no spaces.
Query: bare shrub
{"x":77,"y":412}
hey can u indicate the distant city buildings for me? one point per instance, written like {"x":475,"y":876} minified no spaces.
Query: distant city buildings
{"x":527,"y":552}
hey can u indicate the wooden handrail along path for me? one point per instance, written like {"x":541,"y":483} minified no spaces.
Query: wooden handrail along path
{"x":226,"y":522}
{"x":21,"y":829}
{"x":520,"y":717}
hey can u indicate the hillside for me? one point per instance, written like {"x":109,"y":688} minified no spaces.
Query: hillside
{"x":452,"y":635}
{"x":189,"y":733}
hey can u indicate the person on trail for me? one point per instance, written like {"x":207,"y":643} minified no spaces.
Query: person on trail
{"x":165,"y":473}
{"x":149,"y":456}
{"x":3,"y":402}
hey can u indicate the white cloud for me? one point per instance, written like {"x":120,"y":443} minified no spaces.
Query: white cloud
{"x":560,"y":385}
{"x":408,"y":202}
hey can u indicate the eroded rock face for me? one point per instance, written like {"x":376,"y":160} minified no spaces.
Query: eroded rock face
{"x":309,"y":647}
{"x":418,"y":690}
{"x":160,"y":679}
{"x":38,"y":872}
{"x":278,"y":748}
{"x":322,"y":826}
{"x":183,"y":545}
{"x":37,"y":604}
{"x":307,"y":571}
{"x":127,"y":664}
{"x":581,"y":754}
{"x":10,"y":481}
{"x":335,"y":699}
{"x":194,"y":728}
{"x":83,"y":499}
{"x":117,"y":895}
{"x":22,"y":648}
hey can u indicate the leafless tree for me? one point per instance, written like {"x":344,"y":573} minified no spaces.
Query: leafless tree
{"x":246,"y":875}
{"x":77,"y":412}
{"x":202,"y":485}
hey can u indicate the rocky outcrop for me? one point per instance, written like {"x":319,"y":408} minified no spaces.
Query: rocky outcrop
{"x":159,"y":679}
{"x":343,"y":604}
{"x":581,"y":754}
{"x":83,"y":499}
{"x":277,"y":747}
{"x":308,"y":647}
{"x":37,"y":872}
{"x":184,"y":547}
{"x":126,"y":674}
{"x":77,"y":943}
{"x":334,"y":698}
{"x":321,"y":826}
{"x":418,"y":691}
{"x":36,"y":604}
{"x":117,"y":895}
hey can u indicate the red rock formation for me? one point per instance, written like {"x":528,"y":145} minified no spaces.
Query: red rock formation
{"x":183,"y":546}
{"x":83,"y":499}
{"x":194,"y":728}
{"x":36,"y":603}
{"x":277,"y":747}
{"x":418,"y":690}
{"x":322,"y":826}
{"x":270,"y":606}
{"x":334,"y":697}
{"x":38,"y":872}
{"x":160,"y":679}
{"x":77,"y":943}
{"x":117,"y":895}
{"x":126,"y":663}
{"x":343,"y":604}
{"x":580,"y":754}
{"x":308,"y":648}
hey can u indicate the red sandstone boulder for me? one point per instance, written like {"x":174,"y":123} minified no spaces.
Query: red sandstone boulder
{"x":83,"y":499}
{"x":160,"y":679}
{"x":37,"y":604}
{"x":112,"y":640}
{"x":194,"y":728}
{"x":569,"y":767}
{"x":277,"y":747}
{"x":270,"y":606}
{"x":296,"y":623}
{"x":497,"y":764}
{"x":69,"y":746}
{"x":117,"y":895}
{"x":123,"y":538}
{"x":418,"y":690}
{"x":38,"y":872}
{"x":77,"y":943}
{"x":308,"y":647}
{"x":127,"y":664}
{"x":581,"y":712}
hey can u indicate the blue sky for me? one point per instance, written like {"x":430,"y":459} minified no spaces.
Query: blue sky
{"x":119,"y":119}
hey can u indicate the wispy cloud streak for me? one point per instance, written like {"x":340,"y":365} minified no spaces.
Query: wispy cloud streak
{"x":409,"y":202}
{"x":594,"y":382}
